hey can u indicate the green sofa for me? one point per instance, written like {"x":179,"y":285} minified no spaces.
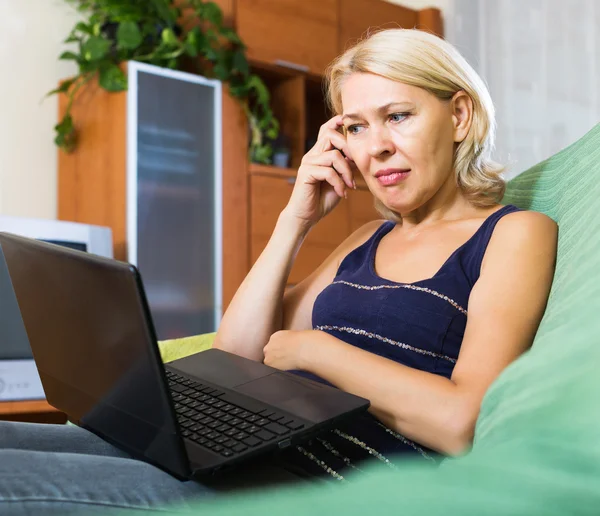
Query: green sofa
{"x":537,"y":441}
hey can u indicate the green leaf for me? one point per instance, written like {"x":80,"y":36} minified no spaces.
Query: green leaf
{"x":261,"y":90}
{"x":162,"y":9}
{"x":212,"y":12}
{"x":63,"y":88}
{"x":129,"y":35}
{"x":112,"y":78}
{"x":71,"y":39}
{"x":192,"y":41}
{"x":65,"y":125}
{"x":262,"y":154}
{"x":240,"y":63}
{"x":85,"y":28}
{"x":95,"y":48}
{"x":169,"y":37}
{"x":231,"y":35}
{"x":70,"y":56}
{"x":210,"y":53}
{"x":273,"y":131}
{"x":221,"y":72}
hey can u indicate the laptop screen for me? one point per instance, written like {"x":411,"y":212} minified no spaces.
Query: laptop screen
{"x":93,"y":343}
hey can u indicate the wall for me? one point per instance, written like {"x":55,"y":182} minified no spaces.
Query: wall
{"x":31,"y":35}
{"x":540,"y":59}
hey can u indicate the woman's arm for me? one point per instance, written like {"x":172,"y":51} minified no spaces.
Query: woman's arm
{"x":505,"y":308}
{"x":259,"y":306}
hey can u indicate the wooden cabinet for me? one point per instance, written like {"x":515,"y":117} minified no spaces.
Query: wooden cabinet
{"x":297,"y":33}
{"x":358,"y":16}
{"x":31,"y":411}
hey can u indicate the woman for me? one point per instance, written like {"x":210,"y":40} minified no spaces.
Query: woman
{"x":418,"y":313}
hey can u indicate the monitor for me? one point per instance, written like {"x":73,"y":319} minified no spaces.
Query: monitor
{"x":18,"y":375}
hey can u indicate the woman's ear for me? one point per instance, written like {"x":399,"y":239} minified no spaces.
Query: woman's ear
{"x":462,"y":115}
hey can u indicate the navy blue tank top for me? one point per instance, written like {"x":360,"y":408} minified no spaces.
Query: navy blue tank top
{"x":420,"y":325}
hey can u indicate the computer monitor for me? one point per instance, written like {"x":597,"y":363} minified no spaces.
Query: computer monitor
{"x":18,"y":375}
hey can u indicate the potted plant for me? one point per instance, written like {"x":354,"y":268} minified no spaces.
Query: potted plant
{"x":168,"y":33}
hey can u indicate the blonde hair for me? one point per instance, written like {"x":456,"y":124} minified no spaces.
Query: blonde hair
{"x":421,"y":59}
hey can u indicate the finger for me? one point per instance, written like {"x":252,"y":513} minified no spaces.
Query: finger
{"x":341,"y":166}
{"x":335,"y":160}
{"x":338,"y":141}
{"x":333,"y":123}
{"x":331,"y":139}
{"x":328,"y":175}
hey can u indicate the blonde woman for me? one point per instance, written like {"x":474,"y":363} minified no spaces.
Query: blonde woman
{"x":421,"y":311}
{"x":418,"y":312}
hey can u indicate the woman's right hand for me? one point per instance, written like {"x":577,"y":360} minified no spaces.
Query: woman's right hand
{"x":323,"y":177}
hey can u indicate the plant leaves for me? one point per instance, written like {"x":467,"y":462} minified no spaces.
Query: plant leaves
{"x":162,"y":9}
{"x":95,"y":48}
{"x":262,"y":154}
{"x":211,"y":12}
{"x":84,"y":27}
{"x":262,"y":93}
{"x":240,"y":63}
{"x":129,"y":35}
{"x":70,"y":56}
{"x":112,"y":78}
{"x":231,"y":35}
{"x":210,"y":53}
{"x":168,"y":37}
{"x":221,"y":72}
{"x":63,"y":88}
{"x":191,"y":42}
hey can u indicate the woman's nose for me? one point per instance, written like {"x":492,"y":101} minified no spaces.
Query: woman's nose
{"x":380,"y":142}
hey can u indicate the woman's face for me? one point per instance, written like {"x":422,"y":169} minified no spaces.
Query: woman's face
{"x":402,"y":139}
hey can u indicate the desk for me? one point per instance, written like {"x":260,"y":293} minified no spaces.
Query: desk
{"x":33,"y":411}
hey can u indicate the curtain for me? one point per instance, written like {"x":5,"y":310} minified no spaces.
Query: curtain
{"x":541,"y":62}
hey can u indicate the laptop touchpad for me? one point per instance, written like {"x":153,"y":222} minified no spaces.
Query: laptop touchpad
{"x":277,"y":388}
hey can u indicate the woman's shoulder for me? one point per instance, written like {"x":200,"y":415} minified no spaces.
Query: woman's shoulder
{"x":525,"y":231}
{"x":526,"y":223}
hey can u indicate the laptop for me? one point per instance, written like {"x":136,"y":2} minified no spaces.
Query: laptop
{"x":94,"y":344}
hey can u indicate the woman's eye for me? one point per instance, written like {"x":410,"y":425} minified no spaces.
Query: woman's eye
{"x":398,"y":117}
{"x":353,"y":129}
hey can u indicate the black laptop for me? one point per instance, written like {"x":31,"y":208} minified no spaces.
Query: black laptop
{"x":92,"y":337}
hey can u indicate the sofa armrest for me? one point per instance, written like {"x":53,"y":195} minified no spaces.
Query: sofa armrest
{"x":174,"y":349}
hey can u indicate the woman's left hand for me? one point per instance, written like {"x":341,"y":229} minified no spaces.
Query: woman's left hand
{"x":285,"y":349}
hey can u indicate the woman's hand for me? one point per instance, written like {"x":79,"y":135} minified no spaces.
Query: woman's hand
{"x":323,"y":176}
{"x":285,"y":349}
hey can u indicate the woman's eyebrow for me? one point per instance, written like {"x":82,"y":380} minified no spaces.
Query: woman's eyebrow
{"x":380,"y":109}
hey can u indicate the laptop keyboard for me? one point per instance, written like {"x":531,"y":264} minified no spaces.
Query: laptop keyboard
{"x":220,"y":426}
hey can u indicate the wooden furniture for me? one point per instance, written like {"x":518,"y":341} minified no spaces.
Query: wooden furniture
{"x":290,"y":43}
{"x":34,"y":411}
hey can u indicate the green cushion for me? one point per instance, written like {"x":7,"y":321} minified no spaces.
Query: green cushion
{"x":537,"y":443}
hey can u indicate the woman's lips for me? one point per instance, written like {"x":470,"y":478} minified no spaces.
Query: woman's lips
{"x":392,"y":178}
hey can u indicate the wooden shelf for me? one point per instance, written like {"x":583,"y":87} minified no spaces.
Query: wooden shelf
{"x":38,"y":411}
{"x":270,"y":170}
